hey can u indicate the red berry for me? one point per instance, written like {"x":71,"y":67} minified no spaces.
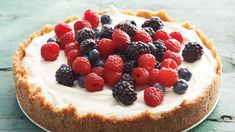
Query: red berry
{"x":173,"y":45}
{"x":50,"y":51}
{"x":142,"y":36}
{"x":114,"y":63}
{"x":140,"y":75}
{"x":66,"y":39}
{"x":80,"y":24}
{"x":72,"y":55}
{"x":106,"y":47}
{"x":61,"y":29}
{"x":121,"y":39}
{"x":92,"y":17}
{"x":112,"y":77}
{"x":161,"y":34}
{"x":153,"y":96}
{"x":147,"y":61}
{"x":177,"y":35}
{"x":167,"y":77}
{"x":153,"y":73}
{"x":81,"y":66}
{"x":70,"y":46}
{"x":98,"y":70}
{"x":172,"y":55}
{"x":93,"y":82}
{"x":169,"y":63}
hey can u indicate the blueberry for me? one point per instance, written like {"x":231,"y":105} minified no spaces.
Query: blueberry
{"x":105,"y":19}
{"x":152,"y":48}
{"x":80,"y":80}
{"x":159,"y":86}
{"x":99,"y":63}
{"x":52,"y":40}
{"x":180,"y":86}
{"x":185,"y":74}
{"x":93,"y":56}
{"x":97,"y":33}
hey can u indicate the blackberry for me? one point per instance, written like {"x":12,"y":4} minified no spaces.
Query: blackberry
{"x":154,"y":23}
{"x":150,"y":31}
{"x":157,"y":65}
{"x":129,"y":65}
{"x":152,"y":48}
{"x":97,"y":33}
{"x":135,"y":49}
{"x":65,"y":76}
{"x":128,"y":78}
{"x":160,"y":49}
{"x":106,"y":31}
{"x":180,"y":86}
{"x":105,"y":19}
{"x":83,"y":34}
{"x":124,"y":92}
{"x":185,"y":74}
{"x":87,"y":45}
{"x":127,"y":27}
{"x":131,"y":21}
{"x":192,"y":52}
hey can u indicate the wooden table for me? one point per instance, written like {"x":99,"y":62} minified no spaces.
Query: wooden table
{"x":18,"y":19}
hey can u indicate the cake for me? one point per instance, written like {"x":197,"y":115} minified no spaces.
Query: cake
{"x":160,"y":75}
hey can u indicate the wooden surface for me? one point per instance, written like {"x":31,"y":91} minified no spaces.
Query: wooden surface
{"x":18,"y":19}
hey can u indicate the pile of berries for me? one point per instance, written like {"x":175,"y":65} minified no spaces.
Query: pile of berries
{"x":122,"y":57}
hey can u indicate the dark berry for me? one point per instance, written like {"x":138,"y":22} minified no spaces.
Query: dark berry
{"x":99,"y":63}
{"x":106,"y":31}
{"x":93,"y":56}
{"x":124,"y":92}
{"x":185,"y":74}
{"x":154,"y":23}
{"x":152,"y":48}
{"x":132,"y":22}
{"x":129,"y":65}
{"x":157,"y":65}
{"x":180,"y":86}
{"x":105,"y":19}
{"x":192,"y":52}
{"x":127,"y":27}
{"x":128,"y":78}
{"x":159,"y":86}
{"x":97,"y":33}
{"x":80,"y":80}
{"x":87,"y":45}
{"x":83,"y":34}
{"x":65,"y":76}
{"x":53,"y":40}
{"x":160,"y":49}
{"x":135,"y":49}
{"x":150,"y":31}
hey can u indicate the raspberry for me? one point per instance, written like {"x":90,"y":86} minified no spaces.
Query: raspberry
{"x":87,"y":45}
{"x":135,"y":49}
{"x":61,"y":29}
{"x":50,"y":51}
{"x":153,"y":96}
{"x":167,"y":77}
{"x":185,"y":74}
{"x":106,"y":47}
{"x":153,"y":73}
{"x":70,"y":46}
{"x":81,"y":65}
{"x":124,"y":92}
{"x":66,"y":39}
{"x":99,"y":71}
{"x":177,"y":35}
{"x":114,"y":63}
{"x":80,"y":24}
{"x":91,"y":17}
{"x":192,"y":52}
{"x":83,"y":34}
{"x":129,"y":65}
{"x":140,"y":75}
{"x":142,"y":36}
{"x":161,"y":34}
{"x":180,"y":86}
{"x":105,"y":19}
{"x":65,"y":76}
{"x":120,"y":39}
{"x":147,"y":61}
{"x":93,"y":82}
{"x":160,"y":49}
{"x":173,"y":45}
{"x":72,"y":55}
{"x":150,"y":31}
{"x":112,"y":77}
{"x":106,"y":31}
{"x":128,"y":78}
{"x":154,"y":23}
{"x":169,"y":63}
{"x":127,"y":27}
{"x":172,"y":55}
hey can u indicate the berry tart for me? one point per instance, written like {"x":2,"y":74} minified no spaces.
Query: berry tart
{"x":117,"y":70}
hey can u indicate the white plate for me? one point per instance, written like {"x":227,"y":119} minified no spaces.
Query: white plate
{"x":193,"y":126}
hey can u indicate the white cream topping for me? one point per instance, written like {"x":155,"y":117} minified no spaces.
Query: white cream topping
{"x":42,"y":73}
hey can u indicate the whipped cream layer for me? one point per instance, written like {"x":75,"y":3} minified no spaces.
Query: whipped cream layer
{"x":42,"y":74}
